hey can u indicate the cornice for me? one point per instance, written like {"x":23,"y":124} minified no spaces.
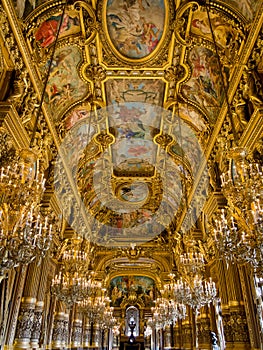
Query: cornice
{"x":253,"y":131}
{"x":9,"y":118}
{"x":215,"y":201}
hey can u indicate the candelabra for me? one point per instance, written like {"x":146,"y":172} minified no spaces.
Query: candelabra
{"x":107,"y":320}
{"x":70,"y":288}
{"x":76,"y":256}
{"x":242,"y":185}
{"x":191,"y":263}
{"x":167,"y":312}
{"x":23,"y":235}
{"x":229,"y":242}
{"x":195,"y":293}
{"x":94,"y":308}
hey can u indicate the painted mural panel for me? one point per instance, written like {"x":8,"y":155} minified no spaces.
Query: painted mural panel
{"x":193,"y":117}
{"x":24,"y":7}
{"x":135,"y":26}
{"x":122,"y":286}
{"x":74,"y":117}
{"x":139,"y":90}
{"x":248,"y":8}
{"x":133,"y":124}
{"x":79,"y":139}
{"x":225,"y":34}
{"x":64,"y":85}
{"x":46,"y":33}
{"x":205,"y":86}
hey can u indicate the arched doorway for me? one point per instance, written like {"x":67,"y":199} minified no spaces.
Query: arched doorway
{"x":132,"y":315}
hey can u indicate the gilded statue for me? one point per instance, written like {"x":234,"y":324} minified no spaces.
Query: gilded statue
{"x":252,"y":88}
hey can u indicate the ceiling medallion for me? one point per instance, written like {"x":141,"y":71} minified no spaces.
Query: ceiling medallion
{"x":133,"y":192}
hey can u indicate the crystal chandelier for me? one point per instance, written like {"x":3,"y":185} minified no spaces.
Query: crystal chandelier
{"x":195,"y":293}
{"x":96,"y":309}
{"x":73,"y":283}
{"x":191,"y":263}
{"x":76,"y":255}
{"x":23,"y":234}
{"x":191,"y":289}
{"x":107,"y":321}
{"x":242,"y":185}
{"x":236,"y":245}
{"x":70,"y":288}
{"x":229,"y":244}
{"x":167,"y":312}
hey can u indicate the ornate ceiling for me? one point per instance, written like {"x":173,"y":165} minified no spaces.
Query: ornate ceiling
{"x":134,"y":120}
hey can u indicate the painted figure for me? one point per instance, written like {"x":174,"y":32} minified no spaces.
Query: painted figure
{"x":47,"y":31}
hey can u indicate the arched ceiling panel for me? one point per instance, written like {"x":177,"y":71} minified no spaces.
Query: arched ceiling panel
{"x":205,"y":87}
{"x":247,"y":8}
{"x":125,"y":53}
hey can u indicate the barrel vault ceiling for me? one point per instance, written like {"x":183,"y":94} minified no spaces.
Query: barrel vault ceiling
{"x":133,"y":110}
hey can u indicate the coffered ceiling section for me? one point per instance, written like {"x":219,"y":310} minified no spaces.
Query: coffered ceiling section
{"x":134,"y":91}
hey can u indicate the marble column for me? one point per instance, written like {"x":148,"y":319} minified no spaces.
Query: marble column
{"x":25,"y":323}
{"x":36,"y":328}
{"x":76,"y":338}
{"x":204,"y":331}
{"x":58,"y":331}
{"x":187,"y":334}
{"x":96,"y":337}
{"x":86,"y":334}
{"x":65,"y":340}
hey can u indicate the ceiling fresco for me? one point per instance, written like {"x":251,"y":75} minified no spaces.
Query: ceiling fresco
{"x":247,"y":8}
{"x":134,"y":92}
{"x":135,"y":27}
{"x":134,"y":141}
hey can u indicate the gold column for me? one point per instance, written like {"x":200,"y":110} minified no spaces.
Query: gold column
{"x":38,"y":314}
{"x":250,"y":305}
{"x":86,"y":333}
{"x":204,"y":329}
{"x":187,"y":336}
{"x":26,"y":314}
{"x":233,"y":311}
{"x":15,"y":304}
{"x":6,"y":288}
{"x":25,"y":323}
{"x":76,"y":338}
{"x":177,"y":335}
{"x":58,"y":330}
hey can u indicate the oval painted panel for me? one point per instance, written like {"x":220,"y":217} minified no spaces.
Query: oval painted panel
{"x":135,"y":27}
